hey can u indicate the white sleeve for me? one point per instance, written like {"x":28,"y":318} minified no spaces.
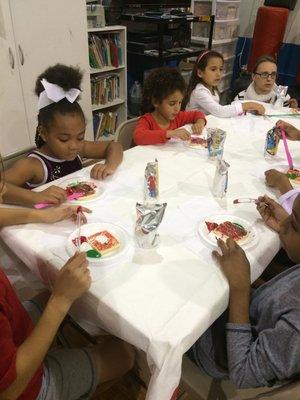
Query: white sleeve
{"x":202,"y":99}
{"x":288,"y":198}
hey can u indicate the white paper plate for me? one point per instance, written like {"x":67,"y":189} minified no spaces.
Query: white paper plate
{"x":210,"y":238}
{"x":107,"y":259}
{"x":197,"y":146}
{"x":99,"y":190}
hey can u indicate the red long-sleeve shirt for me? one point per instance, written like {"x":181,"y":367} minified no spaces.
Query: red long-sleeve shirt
{"x":147,"y":130}
{"x":15,"y":327}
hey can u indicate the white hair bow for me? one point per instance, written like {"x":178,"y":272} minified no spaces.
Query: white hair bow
{"x":54,"y":93}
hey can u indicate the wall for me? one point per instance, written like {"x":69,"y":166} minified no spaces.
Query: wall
{"x":289,"y":58}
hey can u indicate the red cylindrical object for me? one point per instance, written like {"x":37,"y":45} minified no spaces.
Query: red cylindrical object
{"x":268,"y":33}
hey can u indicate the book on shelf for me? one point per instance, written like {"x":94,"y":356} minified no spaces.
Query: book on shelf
{"x":105,"y":89}
{"x":105,"y":50}
{"x":105,"y":124}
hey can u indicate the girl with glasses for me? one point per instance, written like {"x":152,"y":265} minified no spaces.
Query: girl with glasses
{"x":263,"y":83}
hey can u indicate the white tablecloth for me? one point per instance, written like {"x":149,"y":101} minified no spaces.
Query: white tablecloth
{"x":162,"y":300}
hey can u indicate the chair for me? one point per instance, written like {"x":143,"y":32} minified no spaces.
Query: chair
{"x":124,"y":133}
{"x":202,"y":387}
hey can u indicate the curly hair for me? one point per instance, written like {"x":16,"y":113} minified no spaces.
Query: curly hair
{"x":200,"y":64}
{"x":161,"y":83}
{"x":67,"y":78}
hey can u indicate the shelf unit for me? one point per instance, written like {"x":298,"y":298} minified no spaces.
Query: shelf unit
{"x":225,"y":34}
{"x":118,"y":105}
{"x":161,"y":23}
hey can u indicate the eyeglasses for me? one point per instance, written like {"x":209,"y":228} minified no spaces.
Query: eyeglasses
{"x":266,"y":75}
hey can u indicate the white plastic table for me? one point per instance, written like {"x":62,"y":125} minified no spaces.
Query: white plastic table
{"x":162,"y":300}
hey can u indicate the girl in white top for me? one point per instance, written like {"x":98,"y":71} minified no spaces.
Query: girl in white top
{"x":202,"y":92}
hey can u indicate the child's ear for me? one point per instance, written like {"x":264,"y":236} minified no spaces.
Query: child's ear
{"x":199,"y":73}
{"x":42,"y":132}
{"x":154,"y":102}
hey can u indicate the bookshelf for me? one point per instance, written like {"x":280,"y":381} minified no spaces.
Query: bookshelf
{"x":108,"y":77}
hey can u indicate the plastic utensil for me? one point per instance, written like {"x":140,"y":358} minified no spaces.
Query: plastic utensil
{"x":286,"y":148}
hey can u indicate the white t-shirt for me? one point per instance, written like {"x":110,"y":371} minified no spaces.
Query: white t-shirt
{"x":203,"y":100}
{"x":251,"y":95}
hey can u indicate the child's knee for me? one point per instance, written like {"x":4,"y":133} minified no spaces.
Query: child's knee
{"x":114,"y":358}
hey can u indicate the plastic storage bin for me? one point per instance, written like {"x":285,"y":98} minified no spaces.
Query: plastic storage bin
{"x":226,"y":49}
{"x":203,"y":8}
{"x":222,"y":30}
{"x":228,"y":65}
{"x":229,"y":10}
{"x":225,"y":83}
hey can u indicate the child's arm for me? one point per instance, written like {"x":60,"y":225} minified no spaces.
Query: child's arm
{"x":24,"y":197}
{"x":16,"y":216}
{"x":197,"y":118}
{"x":73,"y":280}
{"x":145,"y":133}
{"x":29,"y":169}
{"x":204,"y":100}
{"x":112,"y":152}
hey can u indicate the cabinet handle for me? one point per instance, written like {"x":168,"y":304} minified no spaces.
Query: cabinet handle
{"x":21,"y":55}
{"x":11,"y":58}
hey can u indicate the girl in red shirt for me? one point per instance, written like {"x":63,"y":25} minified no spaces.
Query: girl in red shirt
{"x":163,"y":92}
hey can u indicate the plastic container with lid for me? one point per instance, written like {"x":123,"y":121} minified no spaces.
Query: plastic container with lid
{"x":227,"y":10}
{"x":135,"y":98}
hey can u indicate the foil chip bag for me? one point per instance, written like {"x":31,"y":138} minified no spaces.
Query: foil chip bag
{"x":220,"y":183}
{"x":151,"y":185}
{"x":280,"y":92}
{"x":215,"y":142}
{"x":149,"y":218}
{"x":272,"y":142}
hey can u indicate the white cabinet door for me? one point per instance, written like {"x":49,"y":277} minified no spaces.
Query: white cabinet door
{"x":13,"y":125}
{"x":46,"y":33}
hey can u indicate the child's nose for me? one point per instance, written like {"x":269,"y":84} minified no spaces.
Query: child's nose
{"x":74,"y":146}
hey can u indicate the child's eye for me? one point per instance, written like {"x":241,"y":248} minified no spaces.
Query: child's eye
{"x":80,"y":138}
{"x":63,"y":140}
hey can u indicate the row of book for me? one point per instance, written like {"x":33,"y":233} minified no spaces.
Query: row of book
{"x":105,"y":50}
{"x":105,"y":124}
{"x":105,"y":89}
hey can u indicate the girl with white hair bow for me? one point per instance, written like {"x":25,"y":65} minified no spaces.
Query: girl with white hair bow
{"x":60,"y":139}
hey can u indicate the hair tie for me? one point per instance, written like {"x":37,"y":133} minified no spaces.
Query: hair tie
{"x":54,"y":93}
{"x":202,"y":55}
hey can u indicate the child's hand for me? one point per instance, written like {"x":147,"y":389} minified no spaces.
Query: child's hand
{"x":55,"y":214}
{"x":292,"y":133}
{"x":293,"y":103}
{"x":234,"y":264}
{"x":52,"y":194}
{"x":271,"y":212}
{"x":252,"y":106}
{"x":198,"y":126}
{"x":72,"y":281}
{"x":102,"y":171}
{"x":179,"y":133}
{"x":278,"y":180}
